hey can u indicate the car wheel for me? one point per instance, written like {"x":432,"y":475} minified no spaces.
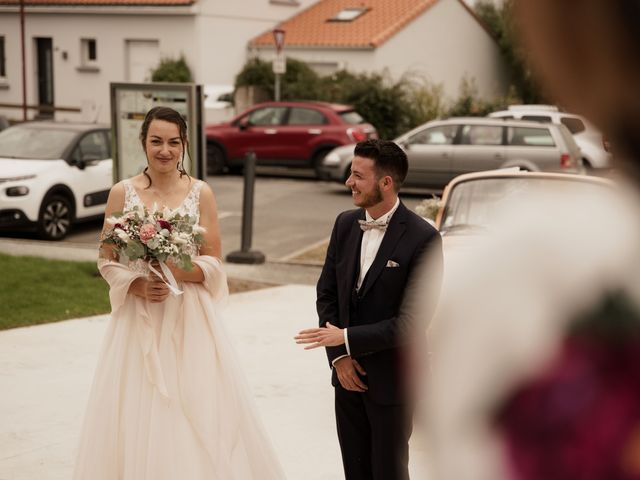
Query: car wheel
{"x":54,"y":221}
{"x":347,"y":174}
{"x":215,"y":160}
{"x":317,"y":161}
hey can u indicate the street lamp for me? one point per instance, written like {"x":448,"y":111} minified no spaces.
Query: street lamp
{"x":279,"y":63}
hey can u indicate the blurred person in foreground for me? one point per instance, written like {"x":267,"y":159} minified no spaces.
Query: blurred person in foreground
{"x":365,"y":326}
{"x":536,"y":345}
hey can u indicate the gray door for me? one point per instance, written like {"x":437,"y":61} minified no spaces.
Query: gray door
{"x":430,"y":152}
{"x":44,"y":54}
{"x":481,"y":148}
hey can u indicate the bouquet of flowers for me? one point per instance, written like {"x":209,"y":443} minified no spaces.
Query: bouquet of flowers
{"x":429,"y":207}
{"x":154,"y":235}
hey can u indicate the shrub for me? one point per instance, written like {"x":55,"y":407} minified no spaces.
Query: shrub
{"x":393,"y":107}
{"x":171,"y":70}
{"x":256,"y":73}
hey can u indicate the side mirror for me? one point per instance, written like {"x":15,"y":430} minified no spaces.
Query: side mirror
{"x":80,"y":164}
{"x":244,"y":123}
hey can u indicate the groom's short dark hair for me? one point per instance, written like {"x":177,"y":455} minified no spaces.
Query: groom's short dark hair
{"x":388,"y":157}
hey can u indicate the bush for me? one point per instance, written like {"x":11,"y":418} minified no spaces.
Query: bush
{"x":393,"y":107}
{"x":256,"y":73}
{"x":171,"y":70}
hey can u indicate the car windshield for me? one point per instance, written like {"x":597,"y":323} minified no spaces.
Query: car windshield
{"x":472,"y":206}
{"x":351,"y":117}
{"x":36,"y":143}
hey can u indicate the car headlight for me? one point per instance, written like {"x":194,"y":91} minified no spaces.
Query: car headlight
{"x":17,"y":191}
{"x":16,"y":179}
{"x":332,"y":159}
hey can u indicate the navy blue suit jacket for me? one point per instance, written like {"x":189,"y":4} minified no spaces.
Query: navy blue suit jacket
{"x":379,"y":333}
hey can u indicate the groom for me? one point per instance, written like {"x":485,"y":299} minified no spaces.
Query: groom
{"x":364,"y":323}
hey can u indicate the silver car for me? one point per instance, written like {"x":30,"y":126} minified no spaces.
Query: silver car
{"x":593,"y":148}
{"x":440,"y":150}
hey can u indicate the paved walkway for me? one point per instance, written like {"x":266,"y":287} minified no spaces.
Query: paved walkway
{"x":46,"y":371}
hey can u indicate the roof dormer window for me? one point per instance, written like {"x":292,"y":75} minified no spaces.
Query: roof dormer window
{"x":348,"y":14}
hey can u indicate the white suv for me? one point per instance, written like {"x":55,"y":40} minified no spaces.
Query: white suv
{"x":52,"y":175}
{"x":589,"y":138}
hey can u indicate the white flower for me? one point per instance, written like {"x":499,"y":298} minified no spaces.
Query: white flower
{"x":178,"y":238}
{"x":122,"y":235}
{"x":113,"y":220}
{"x":198,"y":229}
{"x":166,"y":213}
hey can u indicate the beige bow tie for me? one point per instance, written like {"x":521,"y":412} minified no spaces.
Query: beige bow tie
{"x":371,"y":224}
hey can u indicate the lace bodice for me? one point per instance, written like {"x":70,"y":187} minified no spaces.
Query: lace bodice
{"x":189,"y":206}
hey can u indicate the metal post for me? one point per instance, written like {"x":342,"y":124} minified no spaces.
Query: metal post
{"x":277,"y":96}
{"x":24,"y":63}
{"x":245,"y":254}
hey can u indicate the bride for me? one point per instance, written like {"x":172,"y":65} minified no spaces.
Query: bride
{"x":168,"y":400}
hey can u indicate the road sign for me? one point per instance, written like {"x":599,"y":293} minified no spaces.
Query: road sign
{"x":280,"y":64}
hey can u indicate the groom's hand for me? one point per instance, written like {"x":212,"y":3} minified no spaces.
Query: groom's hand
{"x":347,"y":369}
{"x":329,"y":336}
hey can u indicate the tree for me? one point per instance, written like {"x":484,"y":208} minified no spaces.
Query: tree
{"x":502,"y":23}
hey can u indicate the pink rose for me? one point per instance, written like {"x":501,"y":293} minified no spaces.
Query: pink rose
{"x":147,"y":232}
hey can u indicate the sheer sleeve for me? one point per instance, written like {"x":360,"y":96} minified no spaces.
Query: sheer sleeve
{"x":119,"y":277}
{"x":215,"y":278}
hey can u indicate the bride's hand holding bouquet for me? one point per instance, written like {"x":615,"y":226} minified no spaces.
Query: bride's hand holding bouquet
{"x":162,"y":237}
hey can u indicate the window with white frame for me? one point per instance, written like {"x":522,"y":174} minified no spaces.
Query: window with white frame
{"x":88,"y":51}
{"x":348,"y":14}
{"x":3,"y":63}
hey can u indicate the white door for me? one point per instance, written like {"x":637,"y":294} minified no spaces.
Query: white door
{"x":143,"y":57}
{"x":93,"y":179}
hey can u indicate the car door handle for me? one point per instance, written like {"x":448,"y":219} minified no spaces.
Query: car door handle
{"x":314,"y":131}
{"x":498,"y":155}
{"x":445,"y":155}
{"x":270,"y":131}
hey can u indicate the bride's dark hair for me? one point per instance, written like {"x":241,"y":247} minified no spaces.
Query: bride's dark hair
{"x":166,"y":114}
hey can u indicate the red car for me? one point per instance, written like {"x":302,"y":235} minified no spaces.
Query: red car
{"x":288,"y":134}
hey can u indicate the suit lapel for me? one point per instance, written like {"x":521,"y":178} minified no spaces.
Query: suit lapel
{"x":351,"y":252}
{"x":395,"y":230}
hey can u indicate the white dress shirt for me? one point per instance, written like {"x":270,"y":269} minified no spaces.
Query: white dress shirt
{"x":371,"y":241}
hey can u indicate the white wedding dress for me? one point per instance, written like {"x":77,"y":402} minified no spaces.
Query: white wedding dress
{"x":169,"y":400}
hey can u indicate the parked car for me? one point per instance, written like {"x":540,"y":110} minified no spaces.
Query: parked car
{"x":52,"y":175}
{"x":472,"y":204}
{"x":593,"y":146}
{"x":289,"y":134}
{"x":440,"y":150}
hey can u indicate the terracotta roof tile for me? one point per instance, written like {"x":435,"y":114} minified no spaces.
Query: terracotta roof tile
{"x":161,"y":3}
{"x":381,"y":20}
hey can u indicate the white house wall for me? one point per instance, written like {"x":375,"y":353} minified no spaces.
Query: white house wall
{"x":212,"y":35}
{"x":446,"y":44}
{"x":73,"y":87}
{"x":225,"y":27}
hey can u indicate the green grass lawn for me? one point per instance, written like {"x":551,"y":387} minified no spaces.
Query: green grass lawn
{"x":35,"y":290}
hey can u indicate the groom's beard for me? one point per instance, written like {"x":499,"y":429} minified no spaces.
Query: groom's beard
{"x":372,"y":198}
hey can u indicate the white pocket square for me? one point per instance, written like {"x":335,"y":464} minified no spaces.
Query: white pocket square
{"x":392,"y":264}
